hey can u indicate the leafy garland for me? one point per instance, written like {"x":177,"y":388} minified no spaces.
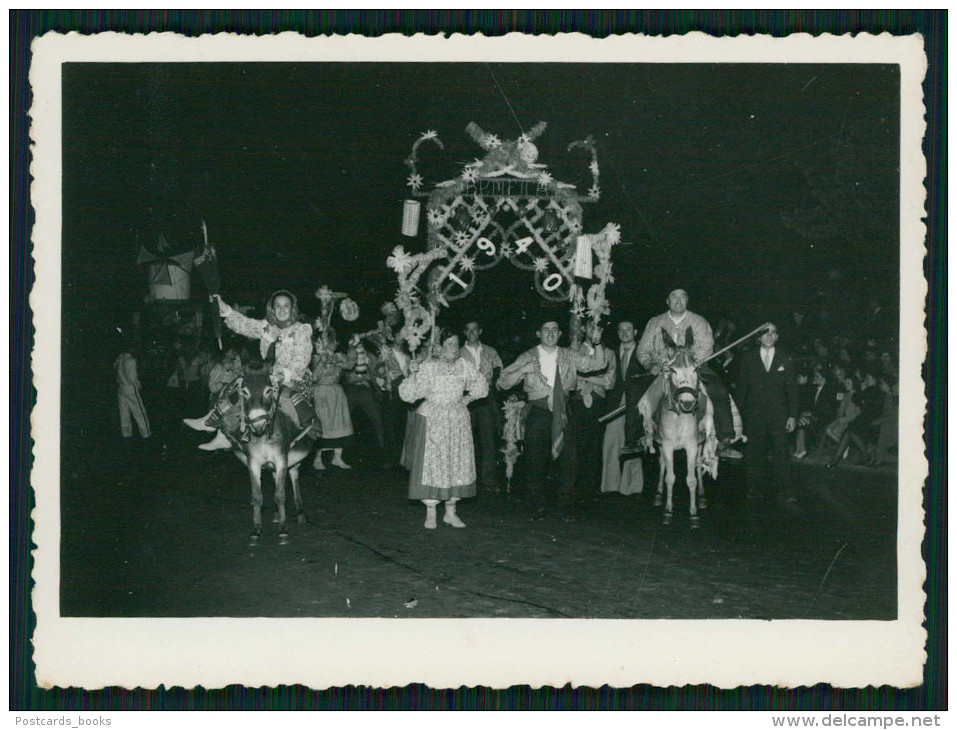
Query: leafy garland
{"x":409,"y":269}
{"x":594,"y":303}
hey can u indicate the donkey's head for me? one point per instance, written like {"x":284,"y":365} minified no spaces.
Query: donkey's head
{"x":260,"y":397}
{"x":682,"y":372}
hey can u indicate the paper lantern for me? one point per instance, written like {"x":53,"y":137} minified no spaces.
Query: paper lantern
{"x":583,"y":260}
{"x":410,"y":217}
{"x":349,"y":310}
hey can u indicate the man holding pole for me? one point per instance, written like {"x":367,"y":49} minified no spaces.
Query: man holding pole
{"x":652,"y":353}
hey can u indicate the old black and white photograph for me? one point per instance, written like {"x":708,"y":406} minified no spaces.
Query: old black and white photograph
{"x":599,"y":337}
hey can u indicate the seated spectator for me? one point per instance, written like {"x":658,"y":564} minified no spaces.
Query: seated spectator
{"x":862,"y":431}
{"x":887,"y":423}
{"x":888,"y":365}
{"x":847,"y":411}
{"x":818,"y":407}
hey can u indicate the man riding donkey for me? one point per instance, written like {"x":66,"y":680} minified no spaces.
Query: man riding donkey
{"x":653,"y":351}
{"x":286,"y":341}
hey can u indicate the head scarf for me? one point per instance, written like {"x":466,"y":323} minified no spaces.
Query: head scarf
{"x":293,"y":311}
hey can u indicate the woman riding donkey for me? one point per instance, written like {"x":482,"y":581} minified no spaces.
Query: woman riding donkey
{"x":282,"y":339}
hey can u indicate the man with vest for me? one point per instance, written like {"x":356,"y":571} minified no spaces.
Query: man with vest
{"x":549,"y":374}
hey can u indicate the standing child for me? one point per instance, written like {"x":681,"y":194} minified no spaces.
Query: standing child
{"x":128,"y":395}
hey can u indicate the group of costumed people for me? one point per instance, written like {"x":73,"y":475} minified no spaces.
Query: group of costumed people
{"x":438,"y":448}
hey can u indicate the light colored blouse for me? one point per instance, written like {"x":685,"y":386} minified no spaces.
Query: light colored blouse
{"x":443,"y":384}
{"x":294,"y":343}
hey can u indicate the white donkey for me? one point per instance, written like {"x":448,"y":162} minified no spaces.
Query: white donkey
{"x":684,"y":419}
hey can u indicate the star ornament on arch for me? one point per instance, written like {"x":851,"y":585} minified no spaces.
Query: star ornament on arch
{"x":541,"y":264}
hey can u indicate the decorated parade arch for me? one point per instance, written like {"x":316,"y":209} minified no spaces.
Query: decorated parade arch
{"x":505,"y":205}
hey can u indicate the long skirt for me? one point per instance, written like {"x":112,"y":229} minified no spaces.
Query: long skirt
{"x":332,"y":410}
{"x":414,"y":455}
{"x":626,"y":477}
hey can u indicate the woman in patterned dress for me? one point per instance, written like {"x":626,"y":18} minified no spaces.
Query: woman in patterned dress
{"x":332,"y":408}
{"x":285,"y":340}
{"x":440,"y":455}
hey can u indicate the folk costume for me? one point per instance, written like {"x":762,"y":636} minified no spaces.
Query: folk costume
{"x":548,"y":390}
{"x":289,"y":344}
{"x":361,"y":393}
{"x":332,"y":408}
{"x":439,"y":454}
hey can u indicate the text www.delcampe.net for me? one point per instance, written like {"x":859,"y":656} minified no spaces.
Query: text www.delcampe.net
{"x":847,"y":720}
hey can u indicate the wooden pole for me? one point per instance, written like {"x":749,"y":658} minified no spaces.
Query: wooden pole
{"x":612,"y":415}
{"x":736,"y":342}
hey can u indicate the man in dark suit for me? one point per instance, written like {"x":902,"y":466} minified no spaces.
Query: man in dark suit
{"x":616,"y":476}
{"x":768,"y":397}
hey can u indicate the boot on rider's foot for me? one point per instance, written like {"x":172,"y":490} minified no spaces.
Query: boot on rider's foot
{"x":219,"y":442}
{"x":201,"y":423}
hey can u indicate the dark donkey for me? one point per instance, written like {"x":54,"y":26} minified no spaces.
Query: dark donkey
{"x":270,"y":440}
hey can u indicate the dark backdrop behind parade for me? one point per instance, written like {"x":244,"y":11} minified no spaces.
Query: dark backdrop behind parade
{"x":761,"y":189}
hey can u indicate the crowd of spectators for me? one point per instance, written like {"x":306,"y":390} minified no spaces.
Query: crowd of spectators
{"x":848,"y":385}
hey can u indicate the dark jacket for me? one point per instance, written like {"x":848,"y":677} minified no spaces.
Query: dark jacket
{"x":767,"y":395}
{"x":613,"y":397}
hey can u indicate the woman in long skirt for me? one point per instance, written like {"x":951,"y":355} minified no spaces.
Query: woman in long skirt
{"x":332,"y":408}
{"x":439,"y":452}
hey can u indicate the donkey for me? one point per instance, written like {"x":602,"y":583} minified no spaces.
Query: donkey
{"x":269,"y":440}
{"x":684,"y":420}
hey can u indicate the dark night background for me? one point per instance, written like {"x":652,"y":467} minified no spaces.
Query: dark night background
{"x":760,"y":188}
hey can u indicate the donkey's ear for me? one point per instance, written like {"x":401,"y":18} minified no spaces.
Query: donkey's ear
{"x":666,"y":338}
{"x":689,"y":337}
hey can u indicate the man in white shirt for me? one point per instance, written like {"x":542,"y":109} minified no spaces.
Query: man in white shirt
{"x":549,"y":374}
{"x":484,"y":412}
